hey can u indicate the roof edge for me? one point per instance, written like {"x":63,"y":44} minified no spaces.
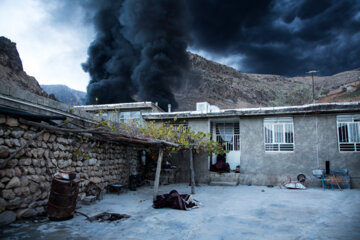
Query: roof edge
{"x":131,"y":105}
{"x":308,"y":108}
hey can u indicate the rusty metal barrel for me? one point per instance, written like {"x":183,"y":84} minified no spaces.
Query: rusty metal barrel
{"x":63,"y":196}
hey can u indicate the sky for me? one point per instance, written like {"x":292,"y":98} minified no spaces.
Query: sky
{"x":51,"y":50}
{"x":261,"y":36}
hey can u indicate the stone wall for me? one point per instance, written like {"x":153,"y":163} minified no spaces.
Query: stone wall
{"x":26,"y":180}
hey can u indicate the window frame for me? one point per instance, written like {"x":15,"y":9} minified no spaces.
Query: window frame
{"x":279,"y":147}
{"x":127,"y":116}
{"x":235,"y":145}
{"x":347,"y":120}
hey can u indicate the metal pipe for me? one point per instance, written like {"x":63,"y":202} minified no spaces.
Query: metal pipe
{"x":313,"y":84}
{"x":313,"y":88}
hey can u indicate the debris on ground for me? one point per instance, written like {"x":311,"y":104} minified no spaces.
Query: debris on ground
{"x":104,"y":216}
{"x":88,"y":200}
{"x":294,"y":185}
{"x":92,"y":189}
{"x":176,"y":201}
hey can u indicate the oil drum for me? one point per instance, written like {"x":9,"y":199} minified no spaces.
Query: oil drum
{"x":62,"y":199}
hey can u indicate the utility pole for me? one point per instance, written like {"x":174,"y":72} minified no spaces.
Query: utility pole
{"x":313,"y":87}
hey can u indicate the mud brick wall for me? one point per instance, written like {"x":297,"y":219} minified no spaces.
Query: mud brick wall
{"x":26,"y":180}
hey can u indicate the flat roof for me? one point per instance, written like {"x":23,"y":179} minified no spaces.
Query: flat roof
{"x":262,"y":111}
{"x":120,"y":106}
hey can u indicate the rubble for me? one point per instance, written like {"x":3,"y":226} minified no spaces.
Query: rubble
{"x":88,"y":200}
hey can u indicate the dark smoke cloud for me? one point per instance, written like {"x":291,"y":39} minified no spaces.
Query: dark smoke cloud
{"x":280,"y":37}
{"x":140,"y":49}
{"x":159,"y":29}
{"x":112,"y":58}
{"x":140,"y":46}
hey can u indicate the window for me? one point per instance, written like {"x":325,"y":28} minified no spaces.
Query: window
{"x":130,"y":116}
{"x":279,"y":134}
{"x":108,"y":115}
{"x":228,"y":133}
{"x":348,"y":133}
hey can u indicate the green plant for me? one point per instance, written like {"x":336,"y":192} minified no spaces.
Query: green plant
{"x":353,"y":94}
{"x":87,"y":156}
{"x":171,"y":131}
{"x":182,"y":135}
{"x":325,"y":92}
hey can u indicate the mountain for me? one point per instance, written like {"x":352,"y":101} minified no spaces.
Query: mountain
{"x":12,"y":72}
{"x":207,"y":81}
{"x":228,"y":88}
{"x":65,"y":94}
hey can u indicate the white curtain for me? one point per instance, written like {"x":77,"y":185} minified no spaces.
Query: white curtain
{"x":226,"y":132}
{"x":268,"y":133}
{"x":354,"y":132}
{"x":278,"y":133}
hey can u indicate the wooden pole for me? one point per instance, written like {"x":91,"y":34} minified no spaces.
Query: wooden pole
{"x":106,"y":134}
{"x":157,"y":175}
{"x":192,"y":171}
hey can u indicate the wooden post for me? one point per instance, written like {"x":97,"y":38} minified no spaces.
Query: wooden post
{"x":192,"y":171}
{"x":157,"y":175}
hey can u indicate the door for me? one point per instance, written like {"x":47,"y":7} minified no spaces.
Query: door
{"x":228,"y":134}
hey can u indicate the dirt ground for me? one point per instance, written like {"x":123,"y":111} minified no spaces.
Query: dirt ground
{"x":242,"y":212}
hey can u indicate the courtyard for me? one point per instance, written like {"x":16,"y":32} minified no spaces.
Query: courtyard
{"x":242,"y":212}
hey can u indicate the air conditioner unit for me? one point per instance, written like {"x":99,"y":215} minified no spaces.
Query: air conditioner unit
{"x":203,"y":107}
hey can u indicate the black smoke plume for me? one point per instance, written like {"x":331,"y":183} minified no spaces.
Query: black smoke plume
{"x":140,"y":49}
{"x":159,"y":29}
{"x":111,"y":60}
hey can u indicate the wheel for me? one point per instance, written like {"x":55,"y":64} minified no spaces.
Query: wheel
{"x":301,"y":178}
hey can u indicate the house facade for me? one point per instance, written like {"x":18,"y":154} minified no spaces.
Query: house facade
{"x":270,"y":144}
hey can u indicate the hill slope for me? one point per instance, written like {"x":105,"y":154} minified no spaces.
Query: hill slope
{"x":65,"y":94}
{"x":11,"y":69}
{"x":207,"y":81}
{"x":228,"y":88}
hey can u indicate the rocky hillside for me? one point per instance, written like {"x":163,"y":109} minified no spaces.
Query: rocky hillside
{"x":228,"y":88}
{"x":207,"y":81}
{"x":65,"y":94}
{"x":12,"y":72}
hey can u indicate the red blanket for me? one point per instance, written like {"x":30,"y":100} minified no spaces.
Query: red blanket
{"x":220,"y":167}
{"x":175,"y":200}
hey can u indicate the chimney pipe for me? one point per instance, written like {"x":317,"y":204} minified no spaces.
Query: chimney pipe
{"x":156,"y":104}
{"x":327,"y":167}
{"x":169,"y":107}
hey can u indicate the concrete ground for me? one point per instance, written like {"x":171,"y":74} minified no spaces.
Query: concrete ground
{"x":242,"y":212}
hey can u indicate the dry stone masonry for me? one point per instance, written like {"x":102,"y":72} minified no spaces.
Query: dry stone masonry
{"x":26,"y":179}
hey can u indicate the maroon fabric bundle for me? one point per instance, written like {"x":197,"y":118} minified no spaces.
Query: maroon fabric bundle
{"x":174,"y":200}
{"x":220,"y":167}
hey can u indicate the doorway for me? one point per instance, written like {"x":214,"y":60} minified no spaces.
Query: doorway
{"x":227,"y":133}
